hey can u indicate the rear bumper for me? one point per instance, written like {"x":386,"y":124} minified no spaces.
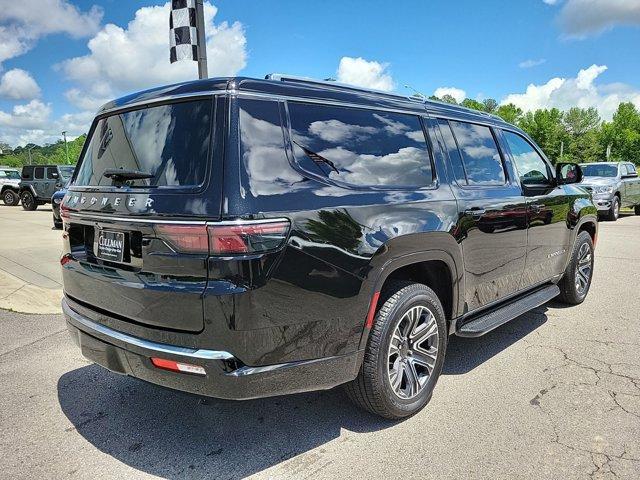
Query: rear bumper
{"x":226,"y":377}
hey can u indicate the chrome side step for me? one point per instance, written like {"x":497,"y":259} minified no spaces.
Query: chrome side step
{"x":478,"y":326}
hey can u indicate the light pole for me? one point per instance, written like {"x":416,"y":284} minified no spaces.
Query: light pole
{"x":29,"y":150}
{"x":66,"y":148}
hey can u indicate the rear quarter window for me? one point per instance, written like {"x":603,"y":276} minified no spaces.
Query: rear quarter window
{"x":479,"y":152}
{"x":170,"y":142}
{"x":364,"y":148}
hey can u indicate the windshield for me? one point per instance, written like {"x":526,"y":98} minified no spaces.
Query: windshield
{"x":10,"y":174}
{"x":66,"y":172}
{"x":170,"y":143}
{"x":599,"y":170}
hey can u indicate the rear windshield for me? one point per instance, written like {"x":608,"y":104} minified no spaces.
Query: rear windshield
{"x":170,"y":143}
{"x":599,"y":170}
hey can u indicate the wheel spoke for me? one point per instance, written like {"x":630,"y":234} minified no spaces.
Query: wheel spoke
{"x":396,"y":375}
{"x":426,"y":358}
{"x":425,"y":331}
{"x":413,"y":381}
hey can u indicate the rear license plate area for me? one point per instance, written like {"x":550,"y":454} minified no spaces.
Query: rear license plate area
{"x":111,"y":245}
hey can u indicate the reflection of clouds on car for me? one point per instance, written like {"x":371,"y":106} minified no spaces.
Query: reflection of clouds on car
{"x":267,"y":167}
{"x":335,"y":131}
{"x":360,"y":147}
{"x":482,"y":161}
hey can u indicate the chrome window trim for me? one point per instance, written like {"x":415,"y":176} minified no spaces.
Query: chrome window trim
{"x":239,"y":221}
{"x":146,"y":344}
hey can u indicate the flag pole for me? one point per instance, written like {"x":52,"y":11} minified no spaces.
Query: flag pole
{"x":203,"y":71}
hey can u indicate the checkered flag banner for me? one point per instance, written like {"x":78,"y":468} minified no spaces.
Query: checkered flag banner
{"x":183,"y":41}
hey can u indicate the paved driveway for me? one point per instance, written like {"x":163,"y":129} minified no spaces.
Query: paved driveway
{"x":554,"y":394}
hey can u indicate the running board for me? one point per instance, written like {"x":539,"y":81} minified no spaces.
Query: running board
{"x":493,"y":319}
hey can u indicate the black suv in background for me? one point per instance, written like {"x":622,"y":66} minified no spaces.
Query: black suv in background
{"x":39,"y":182}
{"x":241,"y":238}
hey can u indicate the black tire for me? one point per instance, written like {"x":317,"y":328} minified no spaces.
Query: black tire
{"x":372,"y":388}
{"x":614,"y":210}
{"x":570,"y":291}
{"x":637,"y":209}
{"x":28,"y":201}
{"x":10,"y":198}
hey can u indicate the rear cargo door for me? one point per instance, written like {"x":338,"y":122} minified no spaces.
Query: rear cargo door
{"x":135,"y":215}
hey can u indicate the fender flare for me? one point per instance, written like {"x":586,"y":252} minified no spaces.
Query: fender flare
{"x":453,"y":261}
{"x":10,"y":187}
{"x":29,"y":187}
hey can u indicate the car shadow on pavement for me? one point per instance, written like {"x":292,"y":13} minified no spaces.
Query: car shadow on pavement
{"x":465,"y":354}
{"x":173,"y":434}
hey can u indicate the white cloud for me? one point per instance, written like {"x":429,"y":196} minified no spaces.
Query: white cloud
{"x":23,"y":22}
{"x":456,"y":93}
{"x":137,"y":57}
{"x":364,"y":73}
{"x":550,"y":2}
{"x":18,"y":84}
{"x":531,"y":63}
{"x":580,"y":91}
{"x":579,"y":18}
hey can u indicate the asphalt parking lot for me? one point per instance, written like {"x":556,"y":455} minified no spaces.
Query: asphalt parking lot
{"x":555,"y":394}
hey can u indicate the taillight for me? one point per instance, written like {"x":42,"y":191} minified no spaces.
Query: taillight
{"x":225,"y":238}
{"x":64,"y":212}
{"x":247,"y":237}
{"x":185,"y":238}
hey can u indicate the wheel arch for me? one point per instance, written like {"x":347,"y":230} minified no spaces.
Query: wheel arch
{"x":441,"y":256}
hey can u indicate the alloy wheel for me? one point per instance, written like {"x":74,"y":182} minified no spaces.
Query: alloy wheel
{"x":413,"y":352}
{"x":584,"y":268}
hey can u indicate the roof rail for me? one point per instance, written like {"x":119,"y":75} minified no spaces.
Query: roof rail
{"x":281,"y":77}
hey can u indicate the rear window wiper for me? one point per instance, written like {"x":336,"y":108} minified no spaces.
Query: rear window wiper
{"x":120,"y":174}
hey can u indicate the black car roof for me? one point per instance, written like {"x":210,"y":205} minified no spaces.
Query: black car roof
{"x":300,"y":88}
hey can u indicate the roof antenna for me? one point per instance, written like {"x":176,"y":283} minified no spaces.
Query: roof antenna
{"x":416,"y":94}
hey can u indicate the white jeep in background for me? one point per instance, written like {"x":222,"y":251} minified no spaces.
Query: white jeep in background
{"x":9,"y":189}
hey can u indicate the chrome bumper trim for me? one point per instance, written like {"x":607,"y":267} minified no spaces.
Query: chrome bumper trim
{"x":146,"y":344}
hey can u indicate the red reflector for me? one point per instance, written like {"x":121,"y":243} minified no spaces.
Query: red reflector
{"x":177,"y":366}
{"x":247,"y":238}
{"x":372,"y":310}
{"x":185,"y":238}
{"x":64,"y":212}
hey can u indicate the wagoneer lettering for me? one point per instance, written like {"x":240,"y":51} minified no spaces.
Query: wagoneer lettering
{"x":243,"y":238}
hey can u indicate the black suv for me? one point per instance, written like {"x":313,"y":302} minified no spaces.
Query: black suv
{"x":39,"y":182}
{"x":241,"y":238}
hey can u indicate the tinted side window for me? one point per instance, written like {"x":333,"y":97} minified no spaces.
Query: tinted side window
{"x":27,"y":172}
{"x":482,"y":161}
{"x":52,"y":173}
{"x":360,"y":147}
{"x":454,"y":154}
{"x":39,"y":173}
{"x":631,"y":168}
{"x":532,"y":169}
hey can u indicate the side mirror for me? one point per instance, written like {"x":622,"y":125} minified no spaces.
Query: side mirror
{"x":567,"y":173}
{"x":54,"y":174}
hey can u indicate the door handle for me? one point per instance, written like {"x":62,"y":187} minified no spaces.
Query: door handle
{"x":475,"y":212}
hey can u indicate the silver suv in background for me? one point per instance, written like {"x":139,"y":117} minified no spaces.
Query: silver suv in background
{"x":9,"y":189}
{"x":40,"y":182}
{"x":613,"y":185}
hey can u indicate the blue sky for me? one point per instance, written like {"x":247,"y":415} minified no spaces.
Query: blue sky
{"x":55,"y":80}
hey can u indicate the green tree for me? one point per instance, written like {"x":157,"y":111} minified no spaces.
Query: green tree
{"x":490,"y":105}
{"x":448,"y":99}
{"x":510,"y":113}
{"x":473,"y":104}
{"x":546,"y":128}
{"x":623,"y":134}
